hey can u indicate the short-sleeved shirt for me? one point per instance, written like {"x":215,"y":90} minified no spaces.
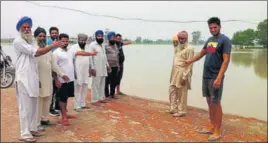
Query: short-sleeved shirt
{"x":65,"y":60}
{"x":215,"y":47}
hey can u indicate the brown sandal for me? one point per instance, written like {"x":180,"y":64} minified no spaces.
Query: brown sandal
{"x":28,"y":140}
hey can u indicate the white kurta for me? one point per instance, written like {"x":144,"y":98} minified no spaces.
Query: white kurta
{"x":27,"y":86}
{"x":81,"y":83}
{"x":81,"y":65}
{"x":46,"y":64}
{"x":26,"y":66}
{"x":99,"y":63}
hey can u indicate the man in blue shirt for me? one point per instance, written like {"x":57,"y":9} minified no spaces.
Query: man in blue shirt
{"x":217,"y":50}
{"x":54,"y":34}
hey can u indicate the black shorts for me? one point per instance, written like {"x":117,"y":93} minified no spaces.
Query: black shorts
{"x":66,"y":90}
{"x":209,"y":91}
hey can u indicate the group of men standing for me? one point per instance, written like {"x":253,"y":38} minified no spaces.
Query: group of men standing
{"x":48,"y":73}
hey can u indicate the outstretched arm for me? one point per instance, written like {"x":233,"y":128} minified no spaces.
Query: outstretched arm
{"x":127,"y":42}
{"x":83,"y":53}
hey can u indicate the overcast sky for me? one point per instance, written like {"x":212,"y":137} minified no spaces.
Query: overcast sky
{"x":73,"y":23}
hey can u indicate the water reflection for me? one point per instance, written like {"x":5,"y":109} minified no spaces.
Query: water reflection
{"x":257,"y":59}
{"x":260,"y":63}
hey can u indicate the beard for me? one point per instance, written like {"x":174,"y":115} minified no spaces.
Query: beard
{"x":182,"y":46}
{"x":41,"y":43}
{"x":215,"y":34}
{"x":28,"y":37}
{"x":65,"y":47}
{"x":82,"y":45}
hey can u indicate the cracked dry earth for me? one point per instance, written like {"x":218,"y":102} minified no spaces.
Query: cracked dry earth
{"x":130,"y":119}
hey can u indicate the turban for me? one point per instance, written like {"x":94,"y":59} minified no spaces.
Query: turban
{"x":39,"y":30}
{"x":23,"y":20}
{"x":110,"y":34}
{"x":175,"y":38}
{"x":82,"y":36}
{"x":98,"y":32}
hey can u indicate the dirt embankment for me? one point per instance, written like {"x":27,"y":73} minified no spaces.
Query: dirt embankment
{"x":131,"y":119}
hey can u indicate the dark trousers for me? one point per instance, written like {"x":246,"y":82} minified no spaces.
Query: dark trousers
{"x":120,"y":75}
{"x":55,"y":101}
{"x":110,"y":82}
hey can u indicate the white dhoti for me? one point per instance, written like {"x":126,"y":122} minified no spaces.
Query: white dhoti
{"x":97,"y":89}
{"x":80,"y":95}
{"x":28,"y":111}
{"x":43,"y":106}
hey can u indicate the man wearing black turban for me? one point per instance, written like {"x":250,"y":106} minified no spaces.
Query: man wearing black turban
{"x":46,"y":64}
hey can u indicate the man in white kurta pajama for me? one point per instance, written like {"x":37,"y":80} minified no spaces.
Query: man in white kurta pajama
{"x":27,"y":80}
{"x":180,"y":79}
{"x":82,"y":74}
{"x":46,"y":63}
{"x":98,"y":66}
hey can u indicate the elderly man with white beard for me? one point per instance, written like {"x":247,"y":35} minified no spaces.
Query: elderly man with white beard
{"x":27,"y":79}
{"x":180,"y":79}
{"x":46,"y":64}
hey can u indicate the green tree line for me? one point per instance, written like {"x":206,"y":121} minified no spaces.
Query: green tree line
{"x":251,"y":37}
